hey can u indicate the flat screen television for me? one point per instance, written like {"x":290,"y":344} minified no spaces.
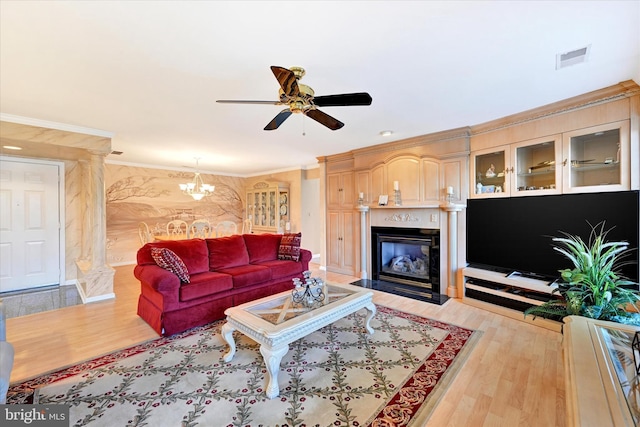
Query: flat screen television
{"x":514,"y":234}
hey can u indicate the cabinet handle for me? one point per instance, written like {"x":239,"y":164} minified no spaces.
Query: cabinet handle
{"x":564,"y":163}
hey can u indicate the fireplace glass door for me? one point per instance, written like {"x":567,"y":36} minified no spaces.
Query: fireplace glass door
{"x":408,"y":256}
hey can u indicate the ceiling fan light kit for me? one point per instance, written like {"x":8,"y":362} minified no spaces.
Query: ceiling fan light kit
{"x":301,"y":99}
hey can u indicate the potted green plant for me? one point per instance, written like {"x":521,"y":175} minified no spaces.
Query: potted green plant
{"x":594,"y":286}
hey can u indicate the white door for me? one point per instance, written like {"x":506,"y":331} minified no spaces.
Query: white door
{"x":29,"y":225}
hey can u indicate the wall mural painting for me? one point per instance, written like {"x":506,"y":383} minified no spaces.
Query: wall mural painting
{"x":136,"y":194}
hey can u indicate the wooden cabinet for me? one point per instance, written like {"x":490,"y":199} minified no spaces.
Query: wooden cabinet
{"x":406,"y":171}
{"x":586,"y":160}
{"x":363,"y":185}
{"x":378,"y":183}
{"x":340,"y":191}
{"x":268,"y":207}
{"x":526,"y":168}
{"x":342,"y":222}
{"x":342,"y":235}
{"x":431,"y":188}
{"x":507,"y":295}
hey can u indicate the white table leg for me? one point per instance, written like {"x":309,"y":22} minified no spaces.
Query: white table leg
{"x":227,"y":334}
{"x":371,"y":308}
{"x":272,"y":358}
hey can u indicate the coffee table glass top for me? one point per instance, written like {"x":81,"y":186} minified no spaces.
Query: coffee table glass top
{"x":282,"y":308}
{"x":621,"y":353}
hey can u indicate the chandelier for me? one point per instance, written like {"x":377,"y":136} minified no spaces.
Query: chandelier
{"x":197,"y":188}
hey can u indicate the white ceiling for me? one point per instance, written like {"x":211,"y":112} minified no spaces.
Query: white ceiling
{"x":149,"y":72}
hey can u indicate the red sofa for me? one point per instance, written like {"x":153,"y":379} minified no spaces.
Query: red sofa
{"x":223,"y":272}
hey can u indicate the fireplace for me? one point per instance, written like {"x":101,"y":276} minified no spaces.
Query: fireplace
{"x":406,"y":256}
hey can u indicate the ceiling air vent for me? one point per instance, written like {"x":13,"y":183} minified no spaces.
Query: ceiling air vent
{"x":577,"y":56}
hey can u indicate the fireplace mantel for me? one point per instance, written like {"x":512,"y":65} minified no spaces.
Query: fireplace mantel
{"x":414,"y":216}
{"x":428,"y":206}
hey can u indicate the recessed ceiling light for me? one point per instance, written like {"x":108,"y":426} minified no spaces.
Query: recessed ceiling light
{"x":386,"y":133}
{"x":11,"y":147}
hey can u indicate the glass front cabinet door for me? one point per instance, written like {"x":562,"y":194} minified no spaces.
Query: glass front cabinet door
{"x":597,"y":159}
{"x":535,"y":171}
{"x":489,"y":172}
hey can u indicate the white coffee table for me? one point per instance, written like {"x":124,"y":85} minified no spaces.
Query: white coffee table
{"x":276,"y":321}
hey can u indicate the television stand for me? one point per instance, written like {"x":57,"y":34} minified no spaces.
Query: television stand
{"x":530,"y":275}
{"x":508,"y":294}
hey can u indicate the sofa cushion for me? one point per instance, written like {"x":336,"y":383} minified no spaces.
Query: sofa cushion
{"x":193,"y":252}
{"x":168,"y":260}
{"x":205,"y":284}
{"x":227,"y":252}
{"x":247,"y":275}
{"x":280,"y":268}
{"x":262,"y":247}
{"x":290,"y":247}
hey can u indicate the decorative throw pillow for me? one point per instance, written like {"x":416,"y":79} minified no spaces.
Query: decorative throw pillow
{"x":168,"y":260}
{"x":290,"y":247}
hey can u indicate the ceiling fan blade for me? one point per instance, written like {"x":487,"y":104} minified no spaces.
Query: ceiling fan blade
{"x":278,"y":120}
{"x":324,"y":119}
{"x":287,"y":80}
{"x":235,"y":101}
{"x":360,"y":98}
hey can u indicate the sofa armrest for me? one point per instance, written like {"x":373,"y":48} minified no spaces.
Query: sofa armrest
{"x":157,"y":278}
{"x":305,"y":256}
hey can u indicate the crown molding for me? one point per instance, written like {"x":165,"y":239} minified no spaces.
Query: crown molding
{"x":625,"y":89}
{"x":54,"y":125}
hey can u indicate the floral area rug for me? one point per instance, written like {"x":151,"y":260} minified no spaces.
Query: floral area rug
{"x":338,"y":376}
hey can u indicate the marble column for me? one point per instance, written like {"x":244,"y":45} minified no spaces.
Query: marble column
{"x":94,"y":275}
{"x":363,"y":240}
{"x":452,"y":242}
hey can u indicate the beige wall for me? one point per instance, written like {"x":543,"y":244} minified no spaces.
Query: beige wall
{"x":138,"y":194}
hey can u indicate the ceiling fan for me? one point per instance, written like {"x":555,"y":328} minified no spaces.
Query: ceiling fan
{"x":300,"y":99}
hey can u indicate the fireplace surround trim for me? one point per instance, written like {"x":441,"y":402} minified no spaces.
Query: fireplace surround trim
{"x":442,"y":216}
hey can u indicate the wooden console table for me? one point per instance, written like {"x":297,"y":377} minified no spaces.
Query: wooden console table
{"x":601,"y":386}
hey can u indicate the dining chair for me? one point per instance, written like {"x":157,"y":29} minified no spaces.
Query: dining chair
{"x":200,"y":228}
{"x":144,"y":233}
{"x":177,"y":227}
{"x":247,"y":226}
{"x":226,"y":228}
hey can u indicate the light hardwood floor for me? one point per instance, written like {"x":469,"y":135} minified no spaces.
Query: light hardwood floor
{"x":513,"y":376}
